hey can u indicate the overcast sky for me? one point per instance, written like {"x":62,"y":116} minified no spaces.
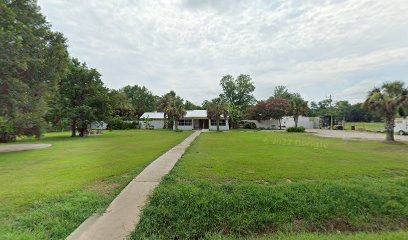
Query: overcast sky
{"x":318,"y":47}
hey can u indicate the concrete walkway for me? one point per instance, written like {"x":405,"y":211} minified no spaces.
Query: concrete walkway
{"x":22,"y":147}
{"x":123,"y":214}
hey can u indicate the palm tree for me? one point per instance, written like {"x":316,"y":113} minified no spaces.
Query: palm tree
{"x":217,"y":108}
{"x":391,"y":98}
{"x":176,"y":111}
{"x":297,"y":107}
{"x":164,"y":103}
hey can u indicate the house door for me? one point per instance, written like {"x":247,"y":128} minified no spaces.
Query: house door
{"x":203,"y":124}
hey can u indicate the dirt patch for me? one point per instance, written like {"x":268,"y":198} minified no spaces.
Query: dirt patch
{"x":103,"y":187}
{"x":22,"y":147}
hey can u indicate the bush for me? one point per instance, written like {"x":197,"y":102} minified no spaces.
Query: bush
{"x":116,"y":123}
{"x":249,"y":125}
{"x":296,"y":129}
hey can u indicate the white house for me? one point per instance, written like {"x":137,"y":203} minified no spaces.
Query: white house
{"x":194,"y":119}
{"x":288,"y":121}
{"x":98,"y":126}
{"x":156,"y":119}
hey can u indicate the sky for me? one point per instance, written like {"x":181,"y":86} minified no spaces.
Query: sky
{"x":318,"y":48}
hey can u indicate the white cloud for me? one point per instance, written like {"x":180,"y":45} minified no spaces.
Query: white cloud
{"x":314,"y":47}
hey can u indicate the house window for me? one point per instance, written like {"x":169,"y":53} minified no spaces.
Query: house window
{"x":222,"y":122}
{"x":185,"y":122}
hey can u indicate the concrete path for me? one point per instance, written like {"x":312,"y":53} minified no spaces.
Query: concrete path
{"x":123,"y":214}
{"x":21,"y":147}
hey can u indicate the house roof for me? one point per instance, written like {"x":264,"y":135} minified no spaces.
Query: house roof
{"x":153,"y":115}
{"x":196,"y":114}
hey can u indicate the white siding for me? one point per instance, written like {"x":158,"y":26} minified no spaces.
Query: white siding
{"x":156,"y":123}
{"x":286,"y":122}
{"x":98,"y":126}
{"x":222,"y":128}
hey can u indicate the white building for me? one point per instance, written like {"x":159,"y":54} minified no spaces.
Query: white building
{"x":156,"y":120}
{"x":286,"y":122}
{"x":194,"y":119}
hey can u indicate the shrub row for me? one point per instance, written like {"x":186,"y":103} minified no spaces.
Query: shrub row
{"x":296,"y":129}
{"x":117,"y":123}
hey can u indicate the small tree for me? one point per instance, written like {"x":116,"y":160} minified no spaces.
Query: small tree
{"x":176,"y":111}
{"x":391,"y":98}
{"x":297,"y":107}
{"x":216,"y":108}
{"x":277,"y":108}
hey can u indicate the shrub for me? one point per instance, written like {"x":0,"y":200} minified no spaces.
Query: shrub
{"x":249,"y":125}
{"x":116,"y":123}
{"x":296,"y":129}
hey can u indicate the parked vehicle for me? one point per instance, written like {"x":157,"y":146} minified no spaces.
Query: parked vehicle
{"x":401,"y":126}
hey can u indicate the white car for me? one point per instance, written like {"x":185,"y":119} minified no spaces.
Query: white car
{"x":401,"y":126}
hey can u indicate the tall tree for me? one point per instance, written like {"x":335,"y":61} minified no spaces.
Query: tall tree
{"x":33,"y":59}
{"x":216,"y":109}
{"x":297,"y":107}
{"x":141,"y":98}
{"x":281,"y":92}
{"x":121,"y":105}
{"x":391,"y":98}
{"x":176,"y":110}
{"x":191,"y":106}
{"x":84,"y":99}
{"x":238,"y":93}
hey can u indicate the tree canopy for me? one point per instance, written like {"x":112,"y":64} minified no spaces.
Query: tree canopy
{"x":216,"y":109}
{"x":33,"y":59}
{"x":84,"y":98}
{"x":141,"y":98}
{"x":391,"y":98}
{"x":238,"y":92}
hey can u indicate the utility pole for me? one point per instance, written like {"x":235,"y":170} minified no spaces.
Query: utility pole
{"x":331,"y":112}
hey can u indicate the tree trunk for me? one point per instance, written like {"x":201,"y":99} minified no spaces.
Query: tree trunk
{"x":176,"y":124}
{"x":296,"y":118}
{"x":218,"y":125}
{"x":389,"y":127}
{"x":73,"y":128}
{"x":280,"y":125}
{"x":164,"y":121}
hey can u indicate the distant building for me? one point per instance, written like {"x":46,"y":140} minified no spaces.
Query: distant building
{"x":286,"y":122}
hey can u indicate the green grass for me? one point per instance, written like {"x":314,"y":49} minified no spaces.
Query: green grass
{"x":366,"y":126}
{"x":47,"y":193}
{"x":308,"y":236}
{"x":241,"y":184}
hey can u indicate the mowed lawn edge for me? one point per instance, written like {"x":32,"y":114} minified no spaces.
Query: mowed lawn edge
{"x":204,"y":196}
{"x":47,"y":193}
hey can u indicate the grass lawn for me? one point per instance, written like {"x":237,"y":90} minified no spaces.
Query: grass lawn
{"x":280,"y":185}
{"x":367,"y":126}
{"x":47,"y":193}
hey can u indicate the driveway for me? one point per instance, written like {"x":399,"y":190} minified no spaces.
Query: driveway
{"x":353,"y":135}
{"x":21,"y":147}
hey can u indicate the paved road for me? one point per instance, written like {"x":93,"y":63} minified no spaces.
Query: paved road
{"x":123,"y":214}
{"x":21,"y":147}
{"x":354,"y":135}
